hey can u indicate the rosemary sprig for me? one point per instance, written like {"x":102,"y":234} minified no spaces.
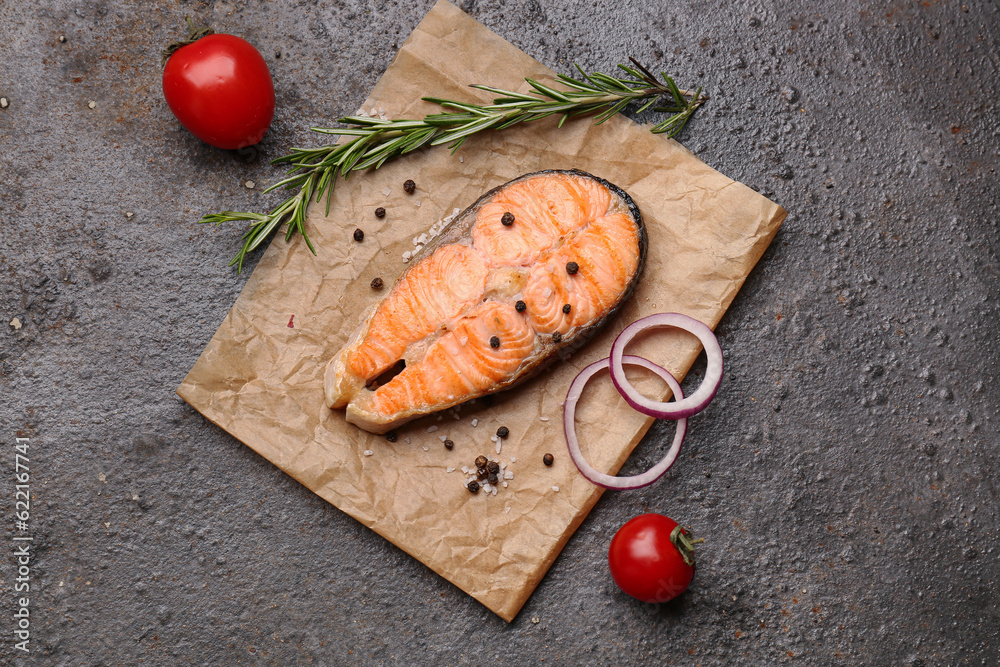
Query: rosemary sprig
{"x":375,"y":141}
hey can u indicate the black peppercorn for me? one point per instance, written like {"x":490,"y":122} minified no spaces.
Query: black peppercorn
{"x":391,"y":436}
{"x":493,"y":479}
{"x":503,"y":432}
{"x":376,"y":283}
{"x":548,"y":459}
{"x":520,"y":306}
{"x":493,"y":467}
{"x":494,"y":342}
{"x":474,"y":486}
{"x":359,"y":235}
{"x":480,"y":461}
{"x":507,"y":219}
{"x":481,"y":473}
{"x":380,"y":212}
{"x":409,"y":186}
{"x":567,"y":308}
{"x":448,"y":444}
{"x":557,"y":337}
{"x":572,"y":268}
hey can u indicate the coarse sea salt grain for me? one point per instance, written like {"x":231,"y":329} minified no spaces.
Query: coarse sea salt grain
{"x":465,"y":469}
{"x":508,"y":475}
{"x":432,"y":428}
{"x":407,"y":441}
{"x":457,"y":418}
{"x":386,"y":191}
{"x":506,"y":509}
{"x":449,"y":469}
{"x":494,"y":490}
{"x":498,"y":446}
{"x":513,"y":459}
{"x":475,"y":423}
{"x":505,"y":485}
{"x":368,"y":452}
{"x":556,"y":489}
{"x":426,"y":448}
{"x":443,"y":437}
{"x":543,"y":419}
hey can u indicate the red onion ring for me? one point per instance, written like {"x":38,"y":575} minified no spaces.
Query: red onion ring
{"x":569,"y":425}
{"x":682,"y":407}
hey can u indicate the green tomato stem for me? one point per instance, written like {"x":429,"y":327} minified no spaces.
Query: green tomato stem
{"x":684,"y":544}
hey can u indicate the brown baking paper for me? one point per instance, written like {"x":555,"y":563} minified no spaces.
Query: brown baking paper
{"x":261,"y":376}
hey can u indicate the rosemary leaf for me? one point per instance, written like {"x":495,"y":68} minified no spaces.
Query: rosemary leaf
{"x":508,"y":95}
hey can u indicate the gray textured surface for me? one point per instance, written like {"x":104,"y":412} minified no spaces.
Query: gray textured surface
{"x":844,"y":476}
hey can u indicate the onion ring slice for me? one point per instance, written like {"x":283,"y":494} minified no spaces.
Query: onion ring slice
{"x":569,"y":425}
{"x":682,"y":407}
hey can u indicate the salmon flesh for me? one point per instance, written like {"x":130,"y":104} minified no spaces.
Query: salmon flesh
{"x":528,"y":273}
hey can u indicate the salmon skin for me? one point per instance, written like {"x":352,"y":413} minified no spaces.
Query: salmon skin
{"x":528,"y":273}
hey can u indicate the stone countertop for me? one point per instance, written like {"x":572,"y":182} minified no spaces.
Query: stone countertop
{"x":844,"y":477}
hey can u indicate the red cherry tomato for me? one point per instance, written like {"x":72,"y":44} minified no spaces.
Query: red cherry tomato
{"x":220,"y":89}
{"x":646,"y":563}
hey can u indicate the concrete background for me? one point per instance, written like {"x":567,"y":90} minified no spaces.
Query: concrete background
{"x":845,"y":477}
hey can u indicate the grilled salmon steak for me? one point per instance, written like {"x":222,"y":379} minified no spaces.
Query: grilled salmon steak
{"x":528,"y":273}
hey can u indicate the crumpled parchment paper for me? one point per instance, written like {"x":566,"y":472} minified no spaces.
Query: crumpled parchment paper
{"x":261,"y":376}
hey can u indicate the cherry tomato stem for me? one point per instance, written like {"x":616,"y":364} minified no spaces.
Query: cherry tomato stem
{"x":684,"y":545}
